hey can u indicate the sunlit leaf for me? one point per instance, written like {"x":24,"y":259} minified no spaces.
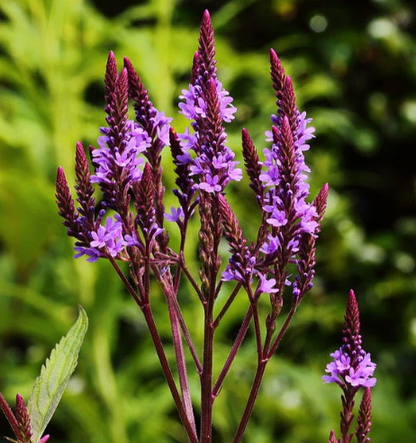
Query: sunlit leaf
{"x":54,"y":377}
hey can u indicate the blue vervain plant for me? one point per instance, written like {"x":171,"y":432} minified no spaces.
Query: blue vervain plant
{"x":126,"y":224}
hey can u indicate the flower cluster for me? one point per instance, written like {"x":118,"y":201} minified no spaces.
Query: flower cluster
{"x":291,"y":223}
{"x":108,"y":160}
{"x":284,"y":171}
{"x":207,"y":104}
{"x":343,"y":372}
{"x":119,"y":163}
{"x":351,"y":369}
{"x":351,"y":365}
{"x":107,"y":238}
{"x":195,"y":106}
{"x":127,"y":222}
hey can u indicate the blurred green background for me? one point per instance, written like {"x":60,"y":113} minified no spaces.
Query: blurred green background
{"x":353,"y":64}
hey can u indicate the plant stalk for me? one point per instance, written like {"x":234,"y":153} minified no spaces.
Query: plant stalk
{"x":207,"y":397}
{"x":8,"y":413}
{"x":168,"y":373}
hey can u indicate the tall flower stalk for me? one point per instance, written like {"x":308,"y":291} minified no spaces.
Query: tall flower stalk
{"x":127,"y":222}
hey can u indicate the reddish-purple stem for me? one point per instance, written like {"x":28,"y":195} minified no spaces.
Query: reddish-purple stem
{"x":250,"y":402}
{"x":8,"y":413}
{"x":236,"y":346}
{"x":126,"y":283}
{"x":145,"y":307}
{"x":227,"y":305}
{"x":282,"y":331}
{"x":179,"y":354}
{"x":148,"y":315}
{"x":183,"y":326}
{"x":190,"y":278}
{"x":267,"y":353}
{"x":207,"y":398}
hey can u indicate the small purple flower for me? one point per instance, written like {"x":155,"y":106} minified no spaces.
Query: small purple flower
{"x":271,"y":246}
{"x":277,"y":217}
{"x":361,"y":376}
{"x":194,"y":106}
{"x":92,"y":253}
{"x":240,"y":268}
{"x":341,"y":371}
{"x":271,"y":176}
{"x":98,"y":238}
{"x":162,"y":125}
{"x":109,"y":237}
{"x":267,"y":286}
{"x":211,"y":184}
{"x":108,"y":160}
{"x":188,"y":142}
{"x":229,"y":275}
{"x":131,"y":240}
{"x":176,"y":215}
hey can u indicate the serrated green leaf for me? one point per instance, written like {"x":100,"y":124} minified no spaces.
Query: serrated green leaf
{"x":54,"y":377}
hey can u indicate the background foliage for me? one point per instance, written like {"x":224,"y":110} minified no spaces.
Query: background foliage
{"x":354,"y":68}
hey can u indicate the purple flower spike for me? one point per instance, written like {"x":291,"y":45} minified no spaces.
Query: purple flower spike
{"x":153,"y":122}
{"x":332,"y":438}
{"x":116,"y":145}
{"x":214,"y":163}
{"x":351,"y":365}
{"x":351,"y":369}
{"x":146,"y":214}
{"x":307,"y":251}
{"x":157,"y":126}
{"x":22,"y":416}
{"x":241,"y":263}
{"x":284,"y":190}
{"x":364,"y":418}
{"x":123,"y":140}
{"x":253,"y":165}
{"x":204,"y":69}
{"x":208,"y":105}
{"x":186,"y":185}
{"x":285,"y":175}
{"x":65,"y":203}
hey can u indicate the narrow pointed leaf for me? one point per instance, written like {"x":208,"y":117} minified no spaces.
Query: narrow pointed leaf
{"x":54,"y":377}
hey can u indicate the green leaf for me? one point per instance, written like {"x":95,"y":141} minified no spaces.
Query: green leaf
{"x":54,"y":377}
